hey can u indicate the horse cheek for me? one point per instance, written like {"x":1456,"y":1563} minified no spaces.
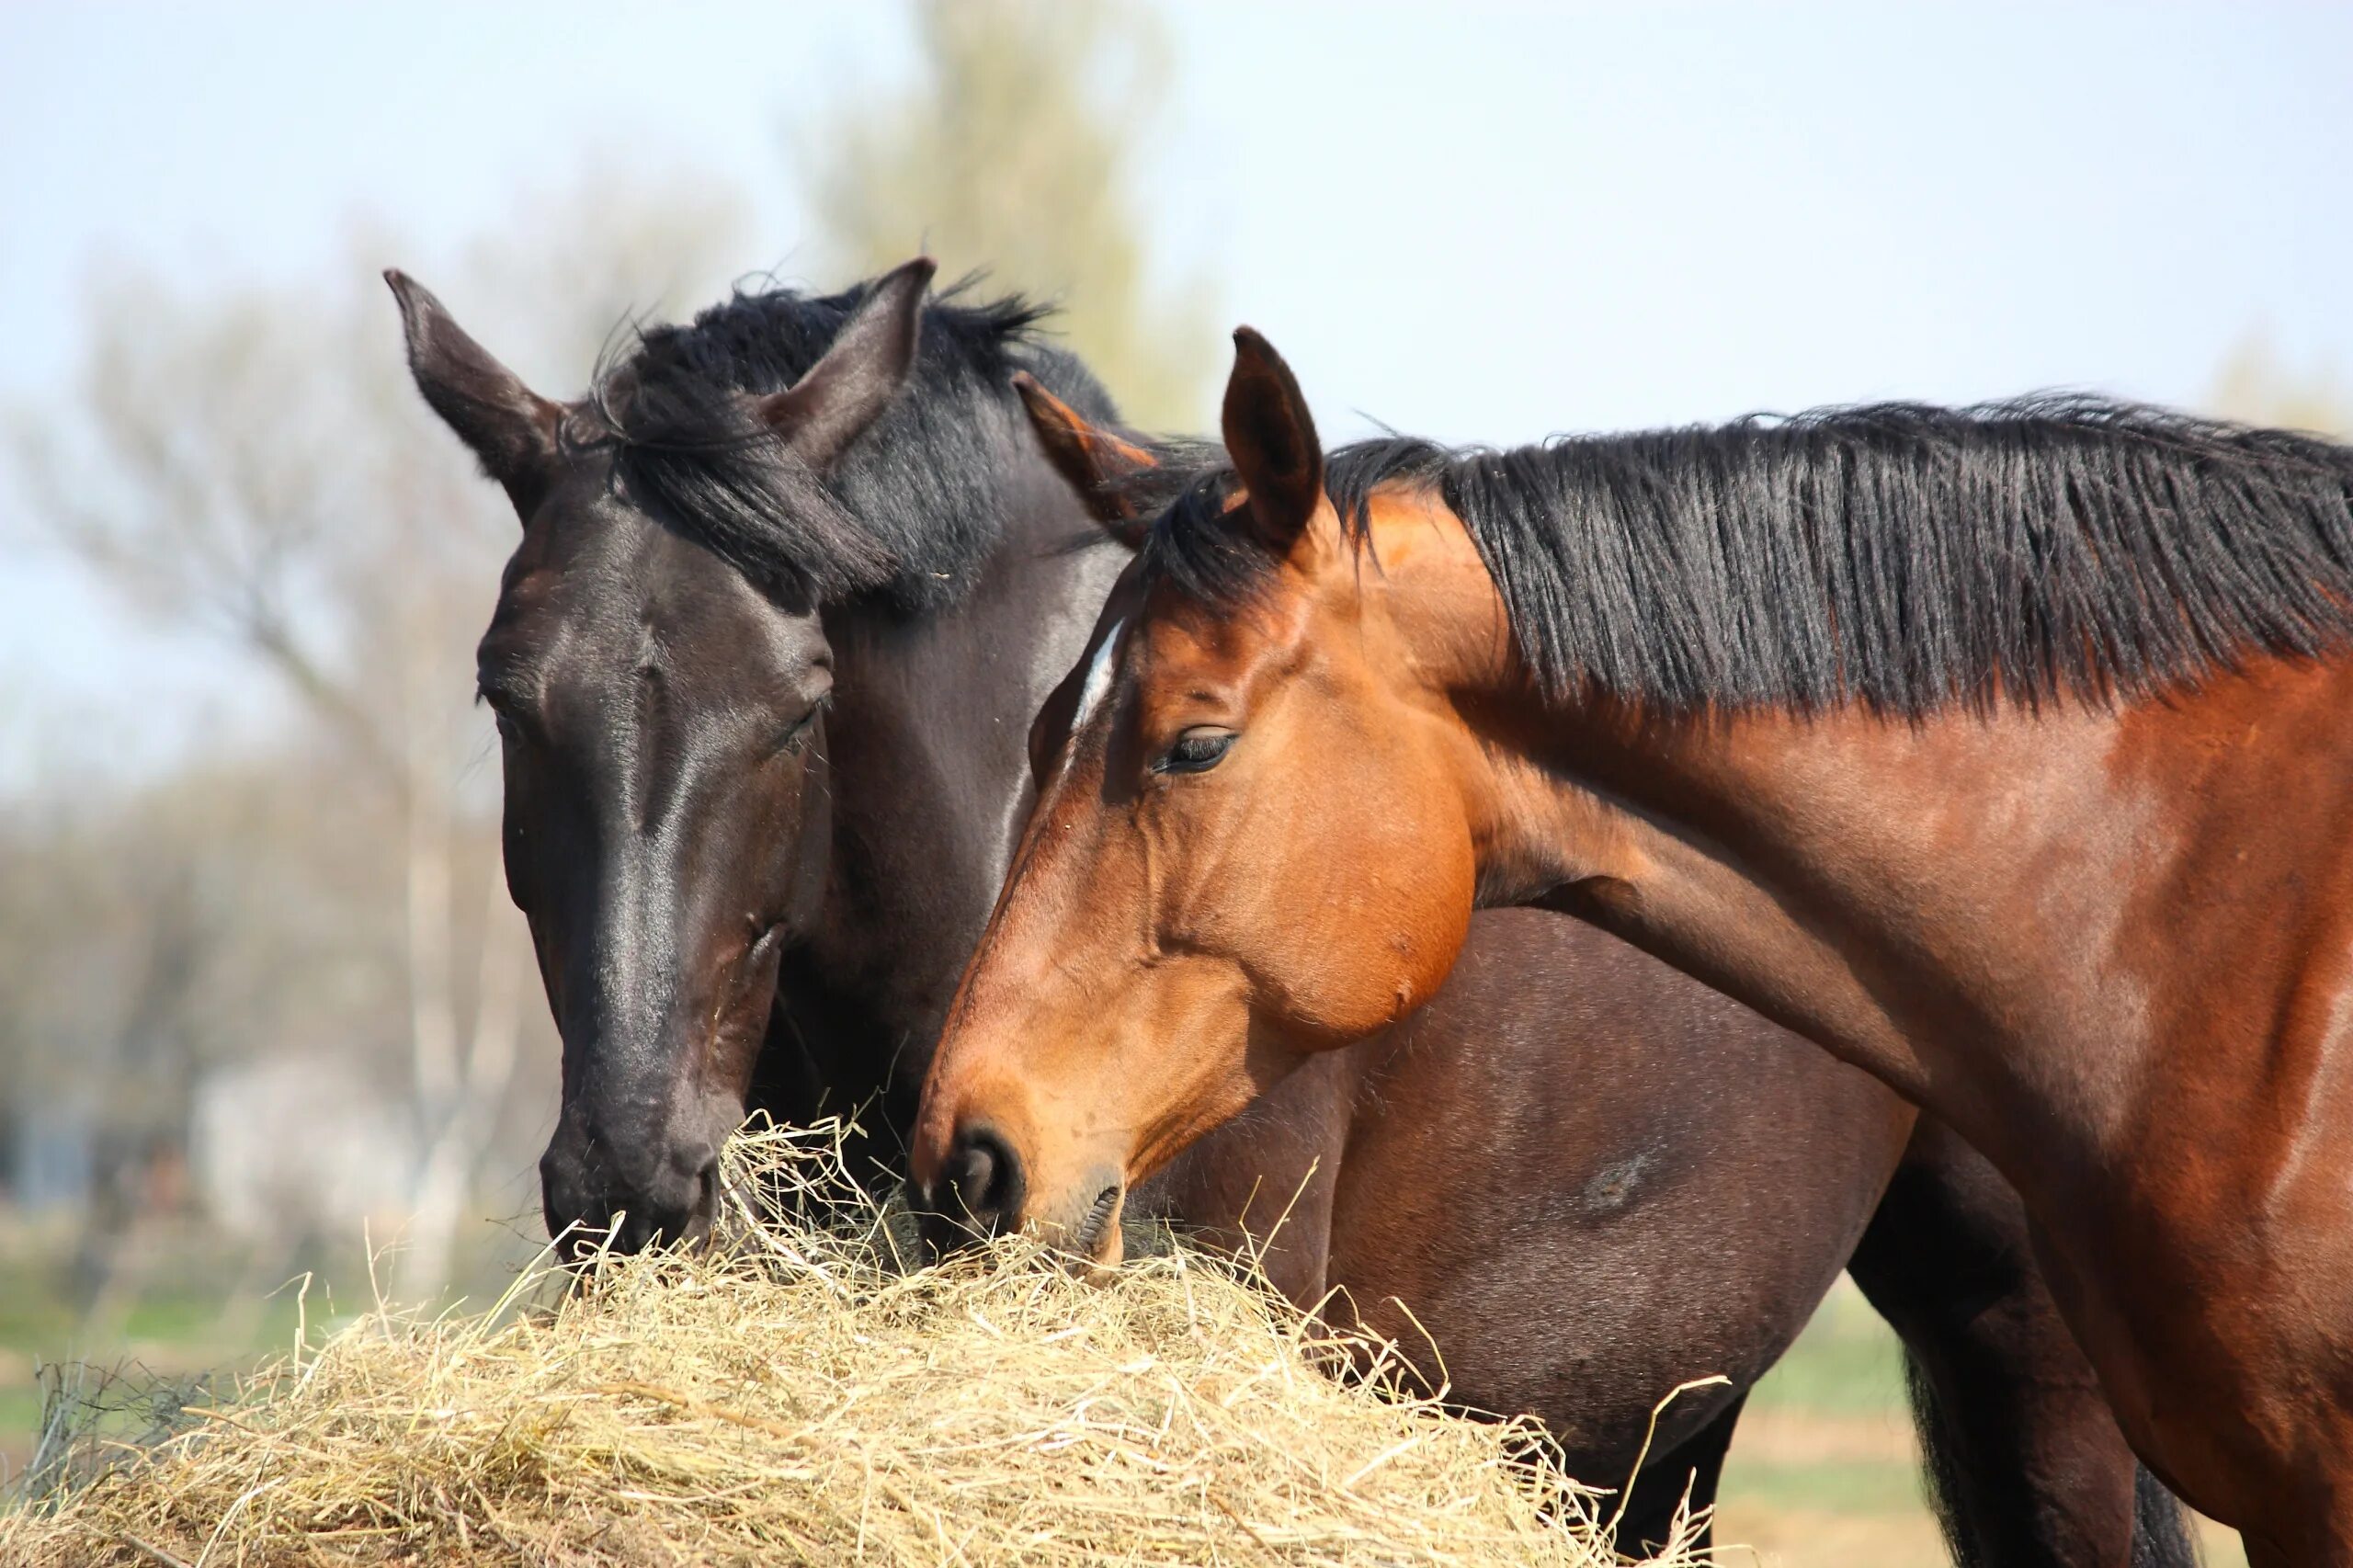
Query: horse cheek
{"x":1406,"y":945}
{"x":1429,"y":938}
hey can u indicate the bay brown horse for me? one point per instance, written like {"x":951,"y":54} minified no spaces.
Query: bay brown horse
{"x":792,"y":582}
{"x":2008,"y":753}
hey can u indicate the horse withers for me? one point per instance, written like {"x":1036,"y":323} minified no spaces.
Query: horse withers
{"x":2004,"y":752}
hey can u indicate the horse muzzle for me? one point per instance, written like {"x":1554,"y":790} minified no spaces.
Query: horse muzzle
{"x":626,"y":1196}
{"x":983,"y":1188}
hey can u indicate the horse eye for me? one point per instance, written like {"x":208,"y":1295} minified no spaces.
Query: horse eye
{"x":1196,"y":751}
{"x":797,"y":736}
{"x":510,"y":729}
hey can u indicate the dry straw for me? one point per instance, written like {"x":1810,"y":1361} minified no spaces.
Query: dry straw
{"x":788,"y":1396}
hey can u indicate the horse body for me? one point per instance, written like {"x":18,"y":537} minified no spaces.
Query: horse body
{"x":2121,"y":976}
{"x":2071,"y":872}
{"x":2116,"y":958}
{"x":731,"y":779}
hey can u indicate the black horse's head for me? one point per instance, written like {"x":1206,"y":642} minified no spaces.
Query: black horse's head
{"x":660,"y":677}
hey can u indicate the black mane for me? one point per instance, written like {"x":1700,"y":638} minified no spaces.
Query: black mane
{"x":1900,"y":556}
{"x":913,"y":505}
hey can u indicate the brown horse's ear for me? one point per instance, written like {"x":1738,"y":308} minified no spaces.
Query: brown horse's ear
{"x":1095,"y":461}
{"x":854,"y":380}
{"x":1272,"y":438}
{"x":510,"y":428}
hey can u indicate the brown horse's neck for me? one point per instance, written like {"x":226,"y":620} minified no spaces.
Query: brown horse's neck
{"x":2027,"y":921}
{"x":1889,"y":890}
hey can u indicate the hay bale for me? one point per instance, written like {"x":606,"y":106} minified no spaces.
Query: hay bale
{"x":789,"y":1396}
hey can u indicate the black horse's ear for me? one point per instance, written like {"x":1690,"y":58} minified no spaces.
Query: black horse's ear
{"x":510,"y":428}
{"x":868,"y":362}
{"x":1271,"y":437}
{"x":1097,"y":461}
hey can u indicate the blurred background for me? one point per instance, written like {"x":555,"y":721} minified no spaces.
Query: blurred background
{"x":263,"y":1001}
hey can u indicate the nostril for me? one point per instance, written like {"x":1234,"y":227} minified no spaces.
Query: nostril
{"x":983,"y":1179}
{"x":582,"y":1235}
{"x":975,"y":1175}
{"x":703,"y":1210}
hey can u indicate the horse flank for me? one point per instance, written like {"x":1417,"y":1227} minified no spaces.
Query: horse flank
{"x":1903,"y":557}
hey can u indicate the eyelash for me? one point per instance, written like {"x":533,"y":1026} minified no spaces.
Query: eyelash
{"x":507,"y":726}
{"x":1177,"y":762}
{"x":797,"y":736}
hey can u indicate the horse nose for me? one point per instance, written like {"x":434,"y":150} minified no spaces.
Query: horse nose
{"x":673,"y":1203}
{"x":980,"y":1187}
{"x":567,"y":1200}
{"x":669,"y":1196}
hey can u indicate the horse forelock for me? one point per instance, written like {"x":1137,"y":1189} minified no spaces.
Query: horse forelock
{"x":911,"y":507}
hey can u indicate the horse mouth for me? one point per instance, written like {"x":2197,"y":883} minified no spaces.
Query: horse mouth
{"x":1100,"y":1220}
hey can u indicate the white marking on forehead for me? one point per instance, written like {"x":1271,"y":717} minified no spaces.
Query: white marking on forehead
{"x":1098,"y":676}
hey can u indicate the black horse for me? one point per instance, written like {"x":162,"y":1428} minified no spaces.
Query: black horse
{"x":794,"y":581}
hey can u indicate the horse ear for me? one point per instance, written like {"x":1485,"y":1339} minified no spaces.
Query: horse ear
{"x":510,"y":427}
{"x":1097,"y":461}
{"x":854,"y":380}
{"x":1272,"y":438}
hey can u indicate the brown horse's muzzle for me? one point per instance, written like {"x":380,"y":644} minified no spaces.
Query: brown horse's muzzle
{"x":983,"y":1188}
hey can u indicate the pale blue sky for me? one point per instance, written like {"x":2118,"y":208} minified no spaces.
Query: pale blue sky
{"x":1471,"y":221}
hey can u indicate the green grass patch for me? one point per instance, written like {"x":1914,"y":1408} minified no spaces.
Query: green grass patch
{"x":1859,"y":1486}
{"x":182,"y":1302}
{"x":1847,"y":1362}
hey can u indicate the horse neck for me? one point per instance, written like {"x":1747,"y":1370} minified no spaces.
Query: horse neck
{"x":1986,"y":911}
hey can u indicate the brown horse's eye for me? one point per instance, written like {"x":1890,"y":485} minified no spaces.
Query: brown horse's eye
{"x":1196,"y":751}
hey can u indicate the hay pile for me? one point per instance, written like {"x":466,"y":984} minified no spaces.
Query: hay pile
{"x":789,"y":1397}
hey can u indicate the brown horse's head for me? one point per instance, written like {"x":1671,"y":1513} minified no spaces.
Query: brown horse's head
{"x":1251,"y":840}
{"x":660,"y":713}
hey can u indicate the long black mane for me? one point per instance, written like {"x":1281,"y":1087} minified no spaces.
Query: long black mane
{"x":909,"y":509}
{"x":1899,"y":556}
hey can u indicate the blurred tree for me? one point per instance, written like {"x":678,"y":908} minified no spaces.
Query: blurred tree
{"x":256,"y":463}
{"x":1013,"y":154}
{"x":150,"y":935}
